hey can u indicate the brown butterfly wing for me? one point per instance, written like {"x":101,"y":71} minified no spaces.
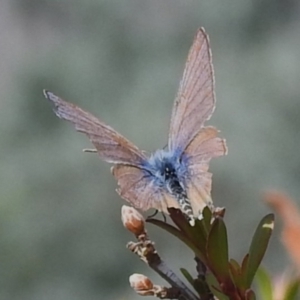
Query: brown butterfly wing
{"x":138,"y":188}
{"x":110,"y":145}
{"x":195,"y":101}
{"x":205,"y":146}
{"x":198,"y":191}
{"x":200,"y":151}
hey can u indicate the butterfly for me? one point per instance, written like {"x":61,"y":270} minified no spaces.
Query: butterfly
{"x":174,"y":177}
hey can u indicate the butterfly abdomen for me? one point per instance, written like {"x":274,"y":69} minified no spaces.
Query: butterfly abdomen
{"x":176,"y":188}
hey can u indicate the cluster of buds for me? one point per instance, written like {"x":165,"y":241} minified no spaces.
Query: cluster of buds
{"x":144,"y":248}
{"x":134,"y":222}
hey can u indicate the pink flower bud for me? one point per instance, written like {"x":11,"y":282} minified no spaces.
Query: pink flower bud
{"x":141,"y":284}
{"x":133,"y":220}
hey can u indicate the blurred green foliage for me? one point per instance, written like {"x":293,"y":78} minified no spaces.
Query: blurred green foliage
{"x":217,"y":273}
{"x":60,"y":230}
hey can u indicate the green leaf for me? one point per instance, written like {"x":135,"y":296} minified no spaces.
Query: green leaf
{"x":292,"y":290}
{"x":187,"y":276}
{"x":235,"y":264}
{"x":235,"y":272}
{"x":206,"y":220}
{"x":245,"y":263}
{"x":180,"y":235}
{"x":199,"y":236}
{"x":195,"y":234}
{"x":258,"y":248}
{"x":249,"y":295}
{"x":217,"y":250}
{"x":244,"y":267}
{"x":202,"y":288}
{"x":179,"y":219}
{"x":215,"y":287}
{"x":264,"y":284}
{"x":199,"y":285}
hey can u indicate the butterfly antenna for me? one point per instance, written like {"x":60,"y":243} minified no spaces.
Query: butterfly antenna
{"x":164,"y":216}
{"x":153,"y":215}
{"x":90,"y":150}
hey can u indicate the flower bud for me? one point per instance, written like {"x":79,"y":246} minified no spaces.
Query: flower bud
{"x":133,"y":220}
{"x":141,"y":284}
{"x":219,"y":212}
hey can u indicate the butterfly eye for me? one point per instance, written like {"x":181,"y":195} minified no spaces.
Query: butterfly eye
{"x":165,"y":172}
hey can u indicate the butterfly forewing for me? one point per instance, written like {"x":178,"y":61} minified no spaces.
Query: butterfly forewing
{"x":195,"y":101}
{"x":110,"y":145}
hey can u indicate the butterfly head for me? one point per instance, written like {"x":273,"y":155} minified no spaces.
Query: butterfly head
{"x":166,"y":165}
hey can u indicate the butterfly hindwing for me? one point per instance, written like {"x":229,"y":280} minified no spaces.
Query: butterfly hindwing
{"x":110,"y":145}
{"x":138,"y":188}
{"x":205,"y":145}
{"x":195,"y":101}
{"x":198,"y":190}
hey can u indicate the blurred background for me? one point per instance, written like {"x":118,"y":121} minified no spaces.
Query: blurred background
{"x":60,"y":231}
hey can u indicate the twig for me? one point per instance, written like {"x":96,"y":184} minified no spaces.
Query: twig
{"x":202,"y":270}
{"x":146,"y":251}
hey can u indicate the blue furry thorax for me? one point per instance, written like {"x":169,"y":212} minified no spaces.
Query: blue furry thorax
{"x":162,"y":161}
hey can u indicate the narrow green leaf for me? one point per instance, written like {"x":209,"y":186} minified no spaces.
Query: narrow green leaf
{"x":199,"y":235}
{"x":243,"y":286}
{"x":217,"y":250}
{"x":187,"y":276}
{"x":180,"y":235}
{"x":215,"y":287}
{"x":245,"y":263}
{"x":195,"y":234}
{"x":206,"y":220}
{"x":202,"y":288}
{"x":292,"y":290}
{"x":249,"y":295}
{"x":235,"y":264}
{"x":258,"y":247}
{"x":264,"y":284}
{"x":235,"y":272}
{"x":179,"y":219}
{"x":199,"y":285}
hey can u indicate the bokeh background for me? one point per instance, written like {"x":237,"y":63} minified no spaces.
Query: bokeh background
{"x":60,"y":231}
